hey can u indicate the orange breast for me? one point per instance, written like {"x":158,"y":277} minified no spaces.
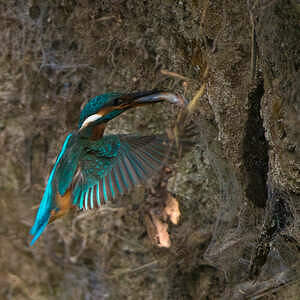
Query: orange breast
{"x":98,"y":131}
{"x":64,"y":204}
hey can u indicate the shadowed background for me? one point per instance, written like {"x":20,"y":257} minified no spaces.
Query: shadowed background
{"x":238,"y":189}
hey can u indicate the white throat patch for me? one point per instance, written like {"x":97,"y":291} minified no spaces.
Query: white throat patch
{"x":90,"y":119}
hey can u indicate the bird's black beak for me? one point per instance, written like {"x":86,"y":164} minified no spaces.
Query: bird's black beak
{"x":148,"y":97}
{"x":120,"y":104}
{"x":160,"y":97}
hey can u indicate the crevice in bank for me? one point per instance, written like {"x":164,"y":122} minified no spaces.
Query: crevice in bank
{"x":255,"y":148}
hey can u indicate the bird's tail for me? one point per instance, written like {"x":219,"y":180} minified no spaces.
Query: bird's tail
{"x":43,"y":214}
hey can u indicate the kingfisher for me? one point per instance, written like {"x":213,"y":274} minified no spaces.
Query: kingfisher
{"x":93,"y":168}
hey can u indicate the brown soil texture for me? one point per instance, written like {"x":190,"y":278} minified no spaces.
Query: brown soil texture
{"x":238,"y":189}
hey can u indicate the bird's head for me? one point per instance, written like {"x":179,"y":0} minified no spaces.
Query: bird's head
{"x":104,"y":108}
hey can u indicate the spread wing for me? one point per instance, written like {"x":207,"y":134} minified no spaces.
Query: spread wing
{"x":113,"y":165}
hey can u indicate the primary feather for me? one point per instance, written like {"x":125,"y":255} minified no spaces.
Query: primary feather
{"x":122,"y":162}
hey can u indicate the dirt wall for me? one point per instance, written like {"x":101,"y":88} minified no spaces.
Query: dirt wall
{"x":238,"y":189}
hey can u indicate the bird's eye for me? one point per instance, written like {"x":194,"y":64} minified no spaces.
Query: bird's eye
{"x":117,"y":101}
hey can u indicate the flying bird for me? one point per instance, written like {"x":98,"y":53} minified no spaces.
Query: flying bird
{"x":93,"y":168}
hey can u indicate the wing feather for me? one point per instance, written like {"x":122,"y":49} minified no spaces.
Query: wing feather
{"x":86,"y":199}
{"x":116,"y":181}
{"x":111,"y":187}
{"x":104,"y":190}
{"x":113,"y":165}
{"x":107,"y":187}
{"x":92,"y":198}
{"x":146,"y":165}
{"x":130,"y":170}
{"x":139,"y":170}
{"x":124,"y":175}
{"x":81,"y":201}
{"x":101,"y":194}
